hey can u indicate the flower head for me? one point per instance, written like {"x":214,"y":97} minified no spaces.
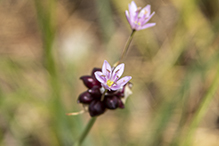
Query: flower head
{"x":109,"y":78}
{"x":138,"y":17}
{"x":91,"y":99}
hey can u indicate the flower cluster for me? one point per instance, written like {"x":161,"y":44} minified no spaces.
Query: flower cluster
{"x":106,"y":82}
{"x":138,"y":17}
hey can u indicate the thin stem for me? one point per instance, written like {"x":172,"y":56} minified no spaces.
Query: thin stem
{"x":86,"y":131}
{"x":202,"y":109}
{"x":102,"y":97}
{"x":125,"y":49}
{"x":89,"y":126}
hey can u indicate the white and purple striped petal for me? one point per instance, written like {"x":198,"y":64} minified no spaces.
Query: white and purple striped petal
{"x":100,"y":77}
{"x":117,"y":72}
{"x":147,"y":26}
{"x":109,"y":77}
{"x":132,"y":10}
{"x":106,"y":69}
{"x":120,"y":83}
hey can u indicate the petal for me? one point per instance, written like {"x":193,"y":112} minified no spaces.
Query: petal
{"x":106,"y":87}
{"x":136,"y":18}
{"x":127,"y":17}
{"x":117,"y":72}
{"x":120,"y":83}
{"x":146,"y":20}
{"x":127,"y":14}
{"x":146,"y":11}
{"x":106,"y":69}
{"x":132,"y":9}
{"x":100,"y":77}
{"x":146,"y":26}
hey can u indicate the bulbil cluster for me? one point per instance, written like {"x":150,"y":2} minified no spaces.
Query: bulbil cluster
{"x":92,"y":97}
{"x":105,"y":89}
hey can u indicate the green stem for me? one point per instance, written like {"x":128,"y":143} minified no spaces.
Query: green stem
{"x":86,"y":131}
{"x":201,"y":110}
{"x":89,"y":126}
{"x":125,"y":49}
{"x":102,"y":97}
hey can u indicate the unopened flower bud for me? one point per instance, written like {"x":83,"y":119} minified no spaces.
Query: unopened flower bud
{"x":111,"y":102}
{"x":95,"y":91}
{"x":85,"y":97}
{"x":89,"y":81}
{"x":120,"y":103}
{"x":96,"y":108}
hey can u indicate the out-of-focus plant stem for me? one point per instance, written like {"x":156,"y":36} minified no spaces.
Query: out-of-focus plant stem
{"x":85,"y":132}
{"x":105,"y":18}
{"x":125,"y":49}
{"x":88,"y":127}
{"x":46,"y":13}
{"x":201,"y":110}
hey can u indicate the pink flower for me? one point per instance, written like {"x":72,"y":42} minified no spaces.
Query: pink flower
{"x":109,"y":77}
{"x":138,"y":17}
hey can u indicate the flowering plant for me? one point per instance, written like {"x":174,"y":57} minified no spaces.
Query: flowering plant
{"x":138,"y":18}
{"x":105,"y":89}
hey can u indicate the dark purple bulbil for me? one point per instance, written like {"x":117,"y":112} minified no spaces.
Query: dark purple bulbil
{"x":92,"y":97}
{"x":96,"y":108}
{"x":85,"y":97}
{"x":111,"y":102}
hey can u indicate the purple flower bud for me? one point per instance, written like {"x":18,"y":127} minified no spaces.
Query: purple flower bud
{"x":96,"y":108}
{"x":120,"y":93}
{"x":111,"y":102}
{"x":95,"y":91}
{"x":89,"y":81}
{"x":120,"y":103}
{"x":85,"y":98}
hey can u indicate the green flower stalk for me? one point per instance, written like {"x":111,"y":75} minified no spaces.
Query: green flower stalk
{"x":105,"y":89}
{"x":201,"y":110}
{"x":86,"y":131}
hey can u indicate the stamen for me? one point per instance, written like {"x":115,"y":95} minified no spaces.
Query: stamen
{"x":75,"y":113}
{"x":117,"y":71}
{"x":109,"y":83}
{"x":138,"y":9}
{"x":108,"y":70}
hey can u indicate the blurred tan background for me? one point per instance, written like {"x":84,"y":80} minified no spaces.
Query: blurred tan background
{"x":45,"y":46}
